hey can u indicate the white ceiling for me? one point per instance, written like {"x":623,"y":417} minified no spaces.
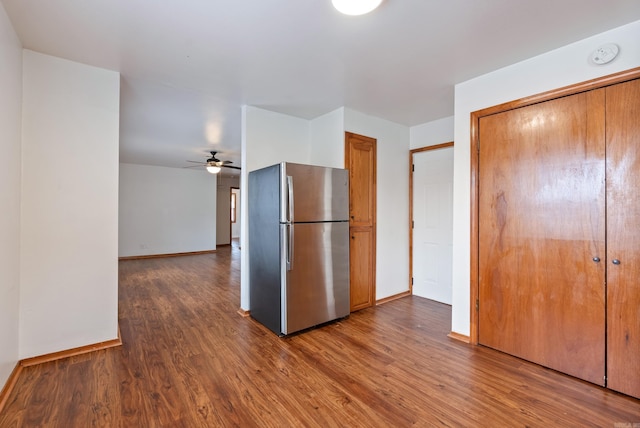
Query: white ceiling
{"x":188,"y":66}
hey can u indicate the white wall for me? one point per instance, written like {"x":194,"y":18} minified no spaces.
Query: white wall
{"x":166,"y":210}
{"x":69,"y":218}
{"x":555,"y":69}
{"x":327,"y":139}
{"x":392,"y":229}
{"x":10,"y":126}
{"x":431,"y":133}
{"x":274,"y":137}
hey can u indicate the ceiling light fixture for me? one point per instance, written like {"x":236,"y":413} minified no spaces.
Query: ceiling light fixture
{"x":213,"y":169}
{"x":355,"y":7}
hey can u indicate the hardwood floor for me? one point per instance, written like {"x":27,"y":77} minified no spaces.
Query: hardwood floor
{"x":189,"y":360}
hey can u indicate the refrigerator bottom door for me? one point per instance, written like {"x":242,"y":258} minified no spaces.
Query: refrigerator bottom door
{"x":317,"y":286}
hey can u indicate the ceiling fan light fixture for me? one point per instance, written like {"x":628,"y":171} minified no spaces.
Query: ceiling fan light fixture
{"x":355,"y":7}
{"x":213,"y":169}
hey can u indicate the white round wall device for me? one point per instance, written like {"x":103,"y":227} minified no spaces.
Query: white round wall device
{"x":605,"y":54}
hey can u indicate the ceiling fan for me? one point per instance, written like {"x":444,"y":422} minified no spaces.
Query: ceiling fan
{"x":213,"y":164}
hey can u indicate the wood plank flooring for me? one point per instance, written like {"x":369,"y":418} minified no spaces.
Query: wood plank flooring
{"x":189,"y":360}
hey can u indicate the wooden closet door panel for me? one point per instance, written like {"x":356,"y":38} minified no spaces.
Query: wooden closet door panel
{"x":623,"y":237}
{"x":360,"y":160}
{"x":360,"y":270}
{"x":541,"y":222}
{"x":361,"y":165}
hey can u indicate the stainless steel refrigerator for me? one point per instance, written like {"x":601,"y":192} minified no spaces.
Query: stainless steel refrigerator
{"x":298,"y":246}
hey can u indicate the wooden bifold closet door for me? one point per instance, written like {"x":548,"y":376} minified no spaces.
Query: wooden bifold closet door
{"x":542,"y":200}
{"x":559,"y":233}
{"x":623,"y":237}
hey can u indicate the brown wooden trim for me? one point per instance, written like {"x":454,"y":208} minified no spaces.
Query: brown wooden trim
{"x":596,"y":83}
{"x":71,"y":352}
{"x":599,"y":82}
{"x":27,"y":362}
{"x":158,"y":256}
{"x":434,"y":147}
{"x":473,"y":281}
{"x":244,"y":313}
{"x":394,"y":297}
{"x":411,"y":153}
{"x":9,"y":385}
{"x":411,"y":221}
{"x":460,"y":337}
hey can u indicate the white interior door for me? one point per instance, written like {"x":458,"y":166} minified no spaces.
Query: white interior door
{"x":433,"y":224}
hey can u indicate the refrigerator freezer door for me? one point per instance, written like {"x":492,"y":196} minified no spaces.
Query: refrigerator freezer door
{"x":317,"y":287}
{"x":319,"y":193}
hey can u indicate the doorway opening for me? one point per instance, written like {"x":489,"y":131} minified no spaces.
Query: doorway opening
{"x":234,"y":216}
{"x":431,"y":222}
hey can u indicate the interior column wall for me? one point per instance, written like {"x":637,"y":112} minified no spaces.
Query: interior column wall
{"x":69,"y":218}
{"x":267,"y":138}
{"x":10,"y":160}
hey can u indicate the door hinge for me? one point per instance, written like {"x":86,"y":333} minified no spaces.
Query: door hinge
{"x":413,"y":167}
{"x":411,"y":280}
{"x":412,"y":224}
{"x":477,"y":304}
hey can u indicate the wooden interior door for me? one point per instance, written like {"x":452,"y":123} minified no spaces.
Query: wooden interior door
{"x":623,"y":237}
{"x":360,"y":160}
{"x":541,"y":236}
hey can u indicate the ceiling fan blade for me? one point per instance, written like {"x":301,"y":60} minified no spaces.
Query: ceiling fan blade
{"x":194,"y":166}
{"x":212,"y":161}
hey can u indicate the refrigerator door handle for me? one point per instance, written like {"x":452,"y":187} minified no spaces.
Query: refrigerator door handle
{"x":291,"y":221}
{"x":290,"y":247}
{"x":290,"y":197}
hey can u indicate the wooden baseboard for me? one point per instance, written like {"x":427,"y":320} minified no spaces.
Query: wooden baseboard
{"x":70,"y":352}
{"x":243,"y":313}
{"x":394,"y":297}
{"x":9,"y":385}
{"x":157,"y":256}
{"x":460,"y":337}
{"x":13,"y":377}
